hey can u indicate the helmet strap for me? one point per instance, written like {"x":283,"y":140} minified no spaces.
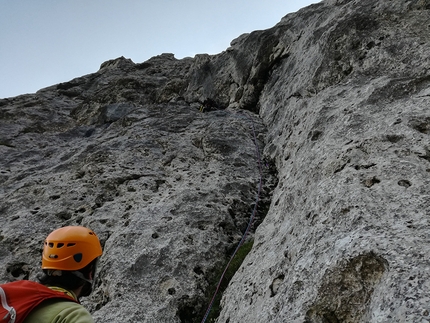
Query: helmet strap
{"x":81,"y":276}
{"x":87,"y":287}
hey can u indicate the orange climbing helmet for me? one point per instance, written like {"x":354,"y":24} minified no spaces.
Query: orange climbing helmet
{"x":70,"y":248}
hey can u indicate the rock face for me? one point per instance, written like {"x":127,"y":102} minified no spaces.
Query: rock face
{"x":168,"y":188}
{"x":163,"y":159}
{"x":347,"y":111}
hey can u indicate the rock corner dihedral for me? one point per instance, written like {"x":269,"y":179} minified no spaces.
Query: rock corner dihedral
{"x":158,"y":158}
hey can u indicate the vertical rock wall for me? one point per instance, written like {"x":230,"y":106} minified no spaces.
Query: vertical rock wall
{"x":346,"y":237}
{"x":162,"y":160}
{"x":168,"y":184}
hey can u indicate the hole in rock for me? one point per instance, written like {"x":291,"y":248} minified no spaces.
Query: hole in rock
{"x":19,"y":270}
{"x":404,"y":183}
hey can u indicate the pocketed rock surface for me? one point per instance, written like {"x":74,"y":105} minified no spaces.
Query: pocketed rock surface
{"x":163,"y":159}
{"x":168,"y":188}
{"x":346,"y":238}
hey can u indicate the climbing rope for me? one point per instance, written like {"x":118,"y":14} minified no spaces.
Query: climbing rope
{"x":251,"y":219}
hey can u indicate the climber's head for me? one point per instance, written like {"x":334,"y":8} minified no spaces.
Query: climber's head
{"x":71,"y":251}
{"x":70,"y":248}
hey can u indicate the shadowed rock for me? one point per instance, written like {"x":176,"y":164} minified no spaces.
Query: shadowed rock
{"x":162,"y":159}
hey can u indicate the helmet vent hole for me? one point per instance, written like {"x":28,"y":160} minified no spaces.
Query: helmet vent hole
{"x":60,"y":245}
{"x":77,"y":257}
{"x":71,"y":244}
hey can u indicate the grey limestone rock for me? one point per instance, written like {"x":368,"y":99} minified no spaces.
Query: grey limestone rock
{"x":163,"y":159}
{"x":346,"y":236}
{"x":168,"y":188}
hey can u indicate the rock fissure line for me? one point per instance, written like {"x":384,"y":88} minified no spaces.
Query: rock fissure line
{"x":251,"y":219}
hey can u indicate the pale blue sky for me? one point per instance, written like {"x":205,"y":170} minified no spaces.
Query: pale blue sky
{"x":45,"y":42}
